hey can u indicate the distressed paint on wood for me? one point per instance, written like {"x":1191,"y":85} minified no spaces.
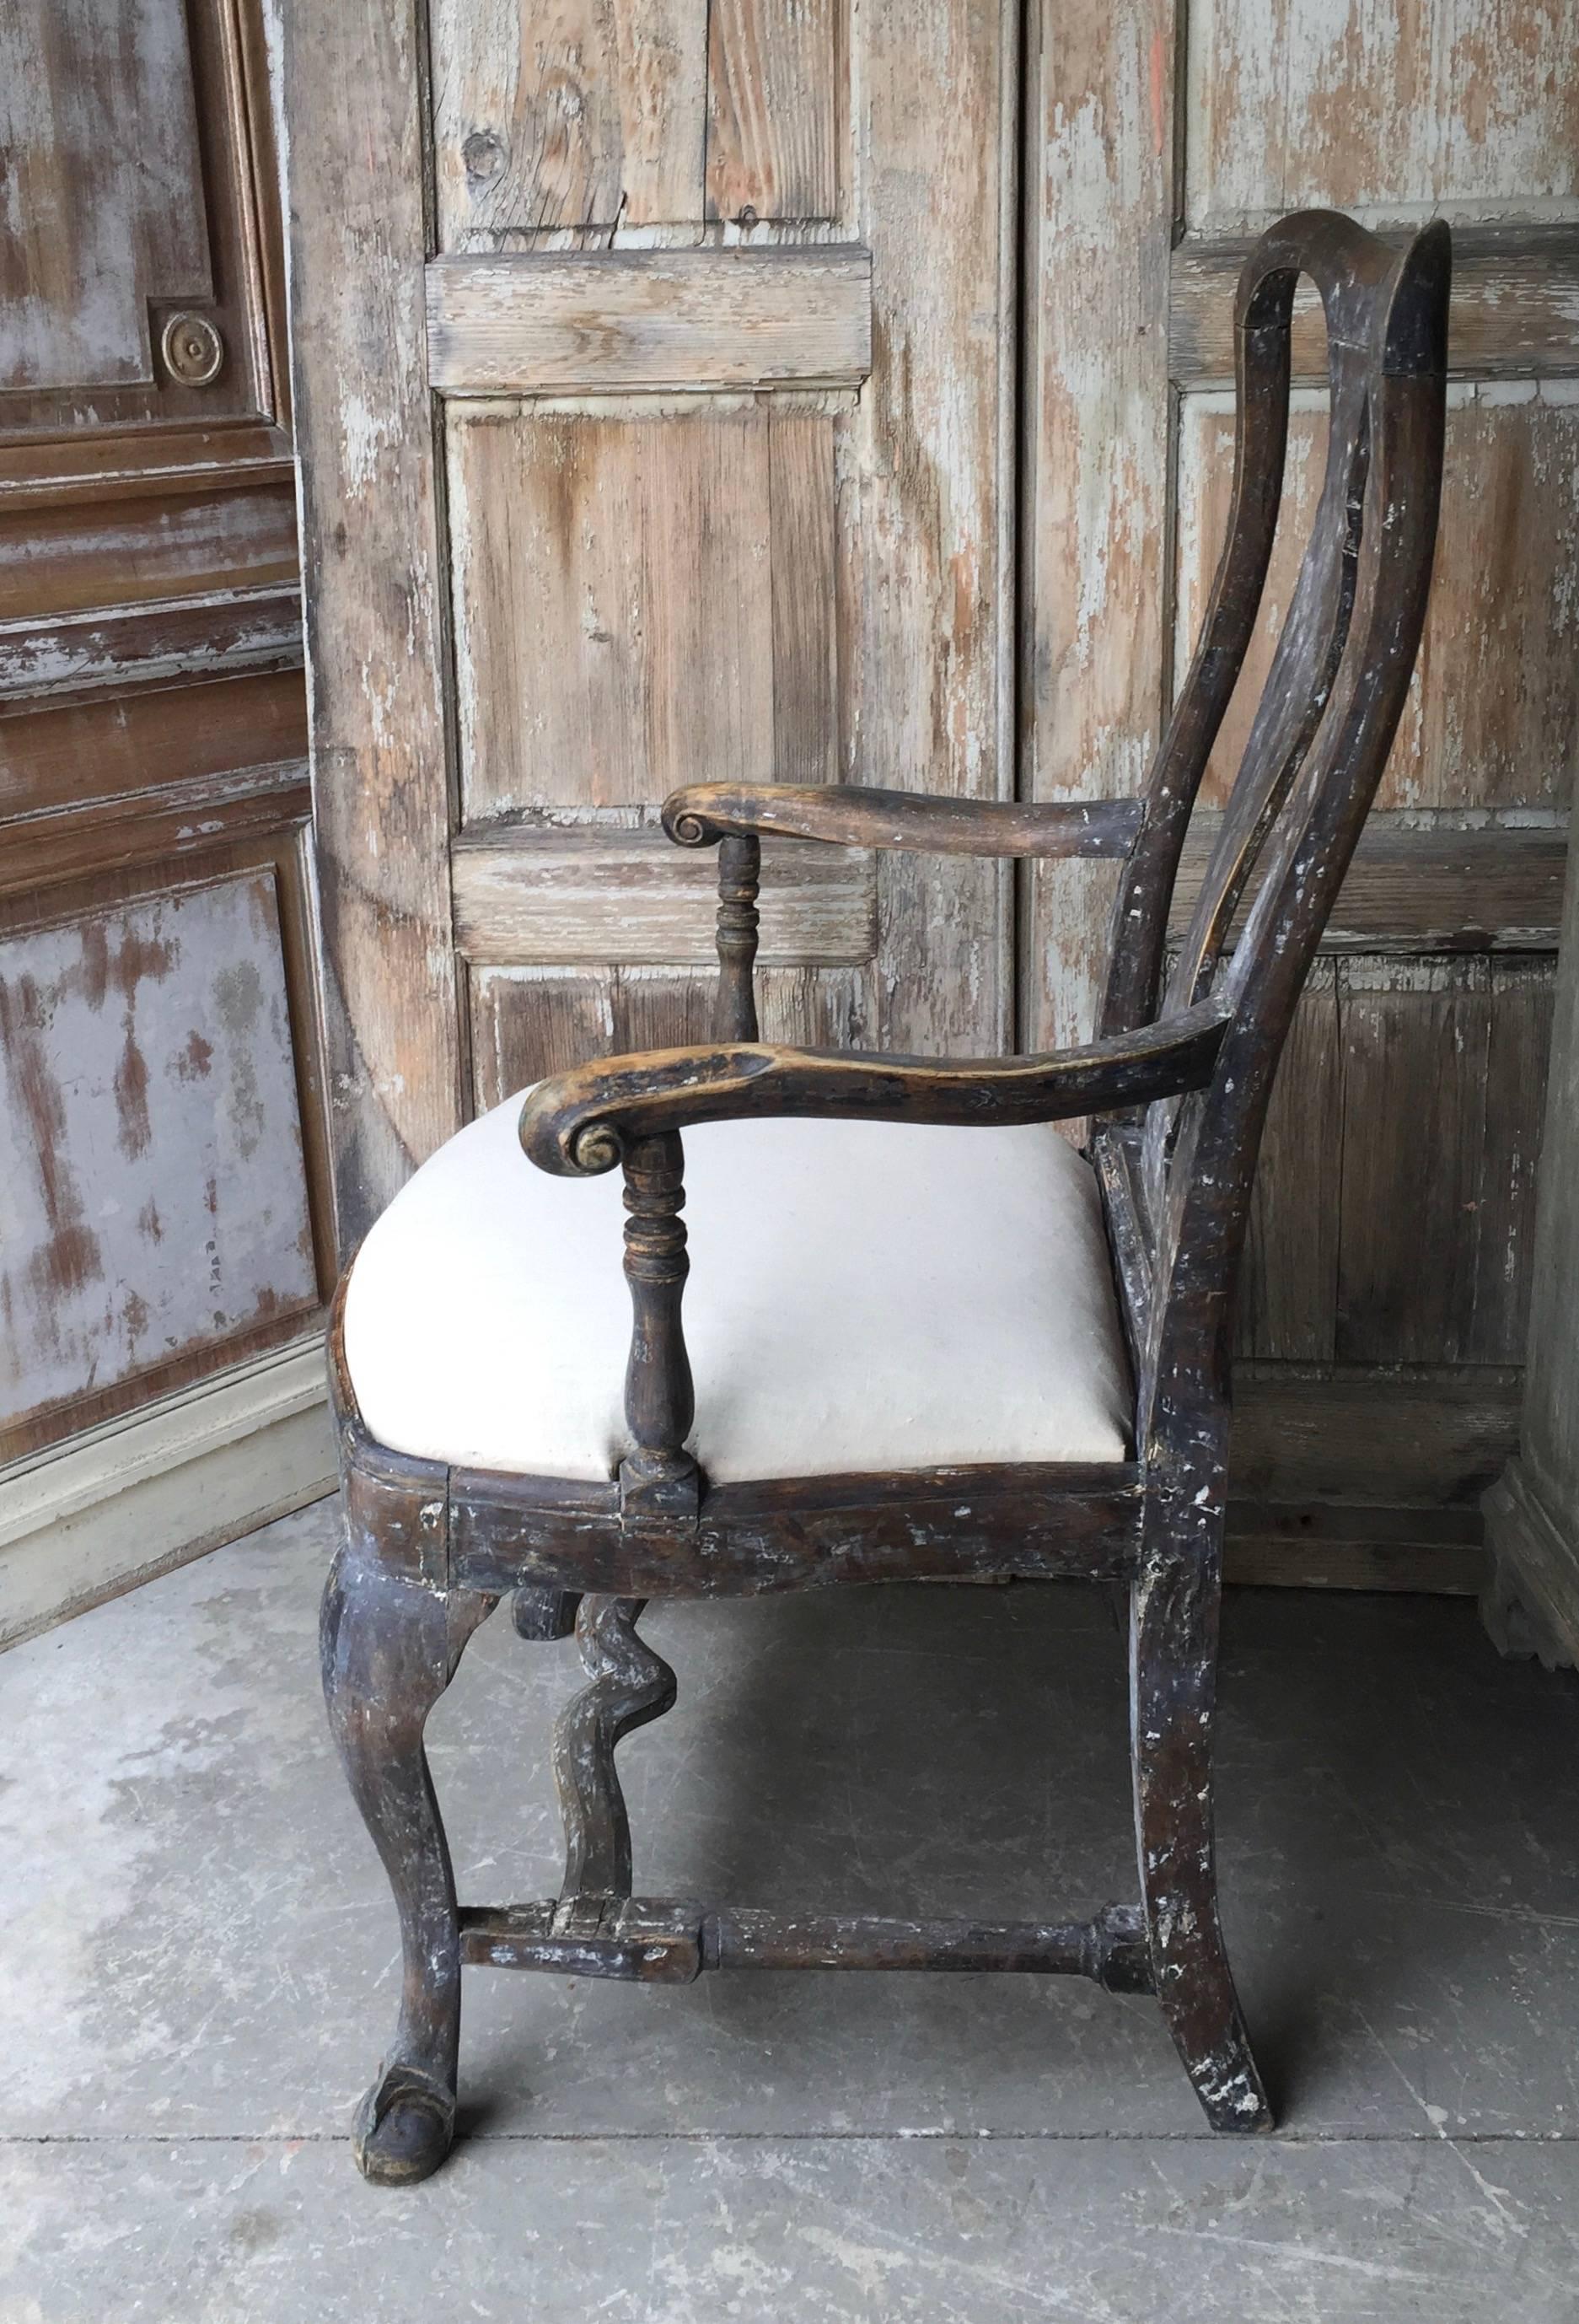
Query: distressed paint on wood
{"x":1093,"y":634}
{"x":1493,"y":716}
{"x":577,"y":113}
{"x":1442,"y":1087}
{"x":154,"y":1190}
{"x":554,"y":323}
{"x":927,"y":584}
{"x":373,"y":594}
{"x":614,"y":604}
{"x":590,"y":896}
{"x":1391,"y":108}
{"x":772,"y":109}
{"x":101,"y":205}
{"x":1515,"y":297}
{"x":530,"y":1022}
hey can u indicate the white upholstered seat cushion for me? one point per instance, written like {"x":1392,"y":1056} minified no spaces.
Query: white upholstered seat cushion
{"x":863,"y":1296}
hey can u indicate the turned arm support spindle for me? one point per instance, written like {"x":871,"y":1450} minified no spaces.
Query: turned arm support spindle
{"x":740,"y":871}
{"x":659,"y":1478}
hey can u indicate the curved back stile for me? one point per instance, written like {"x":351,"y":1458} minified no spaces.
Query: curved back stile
{"x":1178,"y":1178}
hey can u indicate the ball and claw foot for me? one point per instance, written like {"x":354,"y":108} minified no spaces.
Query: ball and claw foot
{"x":404,"y":2128}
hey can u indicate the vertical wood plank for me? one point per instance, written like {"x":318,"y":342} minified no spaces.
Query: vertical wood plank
{"x":1518,"y":1052}
{"x":1416,"y":1044}
{"x":352,"y":79}
{"x":804,"y":552}
{"x":551,"y":114}
{"x":927,"y":593}
{"x":772,"y":110}
{"x":1098,"y":461}
{"x":1287,"y":1299}
{"x":614,"y":605}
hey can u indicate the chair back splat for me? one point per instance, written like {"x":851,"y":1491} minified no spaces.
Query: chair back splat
{"x":1177,"y":1175}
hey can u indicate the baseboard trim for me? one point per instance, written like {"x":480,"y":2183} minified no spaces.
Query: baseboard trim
{"x":143,"y":1494}
{"x":1531,"y":1606}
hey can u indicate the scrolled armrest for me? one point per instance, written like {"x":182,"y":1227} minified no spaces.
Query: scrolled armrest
{"x":583,"y":1122}
{"x":845,"y":814}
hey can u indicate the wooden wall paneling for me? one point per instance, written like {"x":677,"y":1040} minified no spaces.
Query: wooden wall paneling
{"x":1288,"y":1295}
{"x":354,"y":90}
{"x":1515,"y":290}
{"x":151,"y":1113}
{"x":1425,"y":883}
{"x":928,"y":582}
{"x":1099,"y":213}
{"x":69,"y":757}
{"x":621,"y":320}
{"x":153,"y":548}
{"x":1521,"y":993}
{"x":1417,"y":1064}
{"x":614,"y":604}
{"x":581,"y":114}
{"x":1494,"y":714}
{"x":801,"y":491}
{"x":773,"y":78}
{"x":1402,"y":106}
{"x":588,"y":895}
{"x":530,"y":1022}
{"x":141,"y":269}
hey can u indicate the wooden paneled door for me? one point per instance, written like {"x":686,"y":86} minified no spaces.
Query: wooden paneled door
{"x":160,"y":1126}
{"x":785,"y":389}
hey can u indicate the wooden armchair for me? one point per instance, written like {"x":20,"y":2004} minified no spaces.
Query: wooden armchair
{"x":929,"y":1337}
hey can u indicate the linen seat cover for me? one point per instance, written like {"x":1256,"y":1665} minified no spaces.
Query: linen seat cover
{"x":863,"y":1296}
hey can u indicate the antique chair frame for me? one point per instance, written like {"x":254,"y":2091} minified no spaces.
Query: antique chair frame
{"x":1178,"y":1092}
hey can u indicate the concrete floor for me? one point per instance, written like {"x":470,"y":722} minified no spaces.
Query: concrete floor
{"x":198,"y":1970}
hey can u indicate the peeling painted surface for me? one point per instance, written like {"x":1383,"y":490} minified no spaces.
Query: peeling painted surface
{"x":1396,"y":106}
{"x":151,"y":1188}
{"x":100,"y":205}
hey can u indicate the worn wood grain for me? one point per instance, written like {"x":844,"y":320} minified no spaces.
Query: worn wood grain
{"x":579,"y":113}
{"x":71,"y":758}
{"x":1399,"y":107}
{"x":613,"y":605}
{"x":1442,"y":1090}
{"x":159,"y":547}
{"x":1287,"y":1295}
{"x":802,"y":494}
{"x":1515,"y":295}
{"x":927,"y":523}
{"x":1100,"y":207}
{"x":627,"y":319}
{"x":1426,"y":884}
{"x":1494,"y":713}
{"x":373,"y":594}
{"x":587,"y":897}
{"x":528,"y":1023}
{"x":772,"y":109}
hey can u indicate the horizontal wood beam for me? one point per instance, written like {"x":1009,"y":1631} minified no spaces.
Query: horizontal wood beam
{"x":1412,"y":891}
{"x":608,"y":322}
{"x":1515,"y":309}
{"x":554,"y":899}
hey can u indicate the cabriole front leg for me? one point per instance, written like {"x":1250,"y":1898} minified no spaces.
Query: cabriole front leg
{"x":390,"y":1643}
{"x":1173,"y":1668}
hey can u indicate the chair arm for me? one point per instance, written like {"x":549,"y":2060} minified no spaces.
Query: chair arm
{"x":849,"y":816}
{"x":583,"y":1122}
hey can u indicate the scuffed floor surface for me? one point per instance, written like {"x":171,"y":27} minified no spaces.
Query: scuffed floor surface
{"x":198,"y":1970}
